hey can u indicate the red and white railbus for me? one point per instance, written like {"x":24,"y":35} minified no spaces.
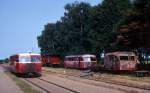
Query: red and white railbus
{"x":25,"y":63}
{"x":120,"y":61}
{"x":86,"y":61}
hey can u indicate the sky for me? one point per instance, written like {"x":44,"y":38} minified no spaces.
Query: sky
{"x":21,"y":21}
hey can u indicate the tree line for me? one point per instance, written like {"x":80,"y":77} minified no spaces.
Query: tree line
{"x":113,"y":25}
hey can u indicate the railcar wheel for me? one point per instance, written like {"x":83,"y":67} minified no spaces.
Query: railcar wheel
{"x":66,"y":67}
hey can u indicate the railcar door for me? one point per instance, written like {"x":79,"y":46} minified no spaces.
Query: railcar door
{"x":80,"y":62}
{"x":24,"y":60}
{"x":13,"y":62}
{"x":87,"y":62}
{"x":35,"y":65}
{"x":124,"y":61}
{"x":93,"y":61}
{"x":111,"y":62}
{"x":115,"y":61}
{"x":76,"y":62}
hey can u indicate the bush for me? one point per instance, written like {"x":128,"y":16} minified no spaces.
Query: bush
{"x":144,"y":66}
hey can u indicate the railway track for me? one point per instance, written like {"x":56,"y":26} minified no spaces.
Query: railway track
{"x":74,"y":91}
{"x":35,"y":82}
{"x":108,"y":81}
{"x":38,"y":86}
{"x":124,"y":84}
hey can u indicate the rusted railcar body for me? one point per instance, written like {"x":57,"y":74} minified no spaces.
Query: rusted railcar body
{"x":120,"y":61}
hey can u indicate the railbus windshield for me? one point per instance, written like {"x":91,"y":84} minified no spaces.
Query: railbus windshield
{"x":24,"y":59}
{"x":29,"y":59}
{"x":125,"y":58}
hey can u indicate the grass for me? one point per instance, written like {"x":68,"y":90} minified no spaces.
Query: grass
{"x":134,"y":78}
{"x":25,"y":87}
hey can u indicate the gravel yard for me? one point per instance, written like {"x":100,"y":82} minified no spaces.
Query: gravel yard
{"x":126,"y":79}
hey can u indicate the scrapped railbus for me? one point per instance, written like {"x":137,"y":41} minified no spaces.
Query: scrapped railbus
{"x":86,"y":61}
{"x":120,"y":61}
{"x":25,"y":63}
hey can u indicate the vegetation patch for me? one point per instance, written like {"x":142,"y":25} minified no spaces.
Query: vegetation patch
{"x":25,"y":87}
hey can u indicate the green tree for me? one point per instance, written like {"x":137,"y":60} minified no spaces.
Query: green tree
{"x":76,"y":21}
{"x":47,"y":41}
{"x":134,"y":30}
{"x":83,"y":28}
{"x":105,"y":17}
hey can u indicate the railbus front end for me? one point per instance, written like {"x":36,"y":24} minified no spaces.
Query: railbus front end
{"x":26,"y":63}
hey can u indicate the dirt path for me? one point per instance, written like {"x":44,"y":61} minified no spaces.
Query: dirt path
{"x":6,"y":84}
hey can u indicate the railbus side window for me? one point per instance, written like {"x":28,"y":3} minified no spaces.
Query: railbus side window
{"x":124,"y":58}
{"x":70,"y":59}
{"x":93,"y":58}
{"x":132,"y":58}
{"x":67,"y":59}
{"x":35,"y":59}
{"x":80,"y":59}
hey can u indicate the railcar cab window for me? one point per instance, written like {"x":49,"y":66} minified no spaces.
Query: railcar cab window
{"x":125,"y":58}
{"x":93,"y":59}
{"x":132,"y":58}
{"x":113,"y":58}
{"x":35,"y":59}
{"x":24,"y":59}
{"x":80,"y":59}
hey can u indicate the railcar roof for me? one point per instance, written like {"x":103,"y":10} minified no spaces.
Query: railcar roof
{"x":121,"y":53}
{"x":24,"y":54}
{"x":84,"y":55}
